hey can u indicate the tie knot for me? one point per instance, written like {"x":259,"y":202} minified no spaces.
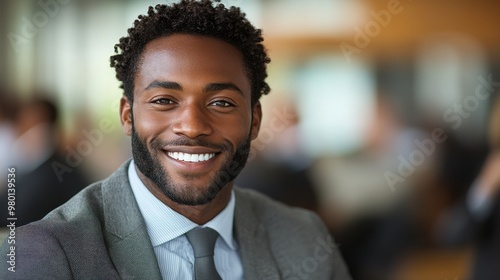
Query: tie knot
{"x":203,"y":241}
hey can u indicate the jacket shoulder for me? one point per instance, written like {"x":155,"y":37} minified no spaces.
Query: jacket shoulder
{"x":87,"y":203}
{"x":65,"y":244}
{"x":299,"y":240}
{"x":276,"y":213}
{"x":27,"y":255}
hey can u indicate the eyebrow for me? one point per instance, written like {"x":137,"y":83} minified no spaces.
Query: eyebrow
{"x":165,"y":85}
{"x":212,"y":87}
{"x":222,"y":86}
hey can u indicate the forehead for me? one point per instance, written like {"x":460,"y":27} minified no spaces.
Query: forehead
{"x":191,"y":59}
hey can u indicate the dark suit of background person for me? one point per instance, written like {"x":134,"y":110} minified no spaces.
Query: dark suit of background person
{"x":477,"y":219}
{"x":113,"y":241}
{"x":38,"y":188}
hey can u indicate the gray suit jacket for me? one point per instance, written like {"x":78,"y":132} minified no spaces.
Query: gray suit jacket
{"x":100,"y":234}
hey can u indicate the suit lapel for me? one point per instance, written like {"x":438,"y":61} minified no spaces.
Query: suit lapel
{"x":256,"y":256}
{"x":126,"y":236}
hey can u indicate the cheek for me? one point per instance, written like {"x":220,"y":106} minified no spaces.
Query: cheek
{"x":147,"y":123}
{"x":235,"y":130}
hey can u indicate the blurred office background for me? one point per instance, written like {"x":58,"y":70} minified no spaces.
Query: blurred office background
{"x":356,"y":85}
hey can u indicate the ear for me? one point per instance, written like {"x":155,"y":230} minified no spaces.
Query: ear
{"x":126,"y":115}
{"x":256,"y":120}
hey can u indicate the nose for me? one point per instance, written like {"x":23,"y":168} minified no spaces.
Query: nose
{"x":192,"y":122}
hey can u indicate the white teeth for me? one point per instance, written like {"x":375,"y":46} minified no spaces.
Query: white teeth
{"x":190,"y":157}
{"x":194,"y":158}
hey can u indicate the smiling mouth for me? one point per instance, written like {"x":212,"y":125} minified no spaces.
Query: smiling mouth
{"x":190,"y":157}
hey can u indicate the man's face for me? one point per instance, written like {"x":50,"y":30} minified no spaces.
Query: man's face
{"x":191,"y":121}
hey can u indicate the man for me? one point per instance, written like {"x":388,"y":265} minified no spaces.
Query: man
{"x":192,"y":75}
{"x":38,"y":188}
{"x":477,"y":219}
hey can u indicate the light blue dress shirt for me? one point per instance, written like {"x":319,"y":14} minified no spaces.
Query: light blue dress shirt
{"x":167,"y":228}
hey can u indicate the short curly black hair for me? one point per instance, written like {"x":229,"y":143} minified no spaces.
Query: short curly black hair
{"x":204,"y":18}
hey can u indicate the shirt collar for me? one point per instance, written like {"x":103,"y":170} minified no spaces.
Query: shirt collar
{"x":164,"y":224}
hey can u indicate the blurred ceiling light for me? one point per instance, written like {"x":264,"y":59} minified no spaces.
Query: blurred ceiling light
{"x":448,"y":67}
{"x":336,"y":102}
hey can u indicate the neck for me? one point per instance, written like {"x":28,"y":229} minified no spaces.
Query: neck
{"x":199,"y":214}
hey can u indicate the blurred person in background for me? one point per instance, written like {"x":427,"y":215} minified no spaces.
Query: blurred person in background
{"x":385,"y":228}
{"x":399,"y":224}
{"x":192,"y":74}
{"x":477,"y":219}
{"x":39,"y":189}
{"x":7,"y":134}
{"x":281,"y":168}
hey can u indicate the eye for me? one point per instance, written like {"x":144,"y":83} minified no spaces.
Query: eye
{"x":162,"y":101}
{"x":222,"y":103}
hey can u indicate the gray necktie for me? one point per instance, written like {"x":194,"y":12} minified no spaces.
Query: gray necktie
{"x":203,"y":242}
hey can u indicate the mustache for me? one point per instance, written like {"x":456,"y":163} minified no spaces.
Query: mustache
{"x":161,"y":144}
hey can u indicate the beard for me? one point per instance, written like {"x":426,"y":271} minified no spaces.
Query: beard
{"x":148,"y":162}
